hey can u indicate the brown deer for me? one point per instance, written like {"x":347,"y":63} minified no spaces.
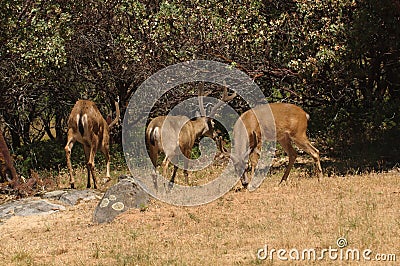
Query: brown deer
{"x":169,"y":133}
{"x":87,"y":126}
{"x":7,"y":169}
{"x":290,"y":122}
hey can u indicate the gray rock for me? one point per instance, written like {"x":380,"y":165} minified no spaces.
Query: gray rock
{"x":27,"y":207}
{"x":72,"y":196}
{"x":124,"y":195}
{"x":56,"y":194}
{"x":35,"y":206}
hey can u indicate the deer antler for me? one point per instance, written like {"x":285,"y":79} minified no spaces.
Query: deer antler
{"x":200,"y":97}
{"x":201,"y":103}
{"x":225,"y":98}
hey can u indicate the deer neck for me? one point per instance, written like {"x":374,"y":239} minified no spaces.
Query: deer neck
{"x":199,"y":126}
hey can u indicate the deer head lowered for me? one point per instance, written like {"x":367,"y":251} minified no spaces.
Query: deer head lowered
{"x":290,"y":122}
{"x":87,"y":126}
{"x":168,"y":134}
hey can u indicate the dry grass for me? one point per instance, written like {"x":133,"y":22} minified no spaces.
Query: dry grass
{"x":302,"y":214}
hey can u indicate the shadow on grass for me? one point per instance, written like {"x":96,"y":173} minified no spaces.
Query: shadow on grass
{"x":381,"y":155}
{"x":357,"y":159}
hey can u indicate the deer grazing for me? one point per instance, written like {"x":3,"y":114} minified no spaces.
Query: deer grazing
{"x":168,"y":134}
{"x":87,"y":126}
{"x":290,"y":122}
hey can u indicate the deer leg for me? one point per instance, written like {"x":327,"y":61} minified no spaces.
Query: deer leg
{"x":153,"y":153}
{"x":91,"y":162}
{"x":186,"y":174}
{"x":249,"y":170}
{"x":107,"y":155}
{"x":254,"y":155}
{"x":244,"y":179}
{"x":91,"y":165}
{"x":88,"y":168}
{"x":304,"y":144}
{"x":186,"y":166}
{"x":106,"y":152}
{"x":164,"y":166}
{"x":287,"y":146}
{"x":253,"y":159}
{"x":172,"y":180}
{"x":68,"y":149}
{"x":173,"y":174}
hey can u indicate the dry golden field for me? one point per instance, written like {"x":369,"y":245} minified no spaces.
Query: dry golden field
{"x":301,"y":217}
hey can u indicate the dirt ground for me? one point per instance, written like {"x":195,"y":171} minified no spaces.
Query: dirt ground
{"x":302,"y":218}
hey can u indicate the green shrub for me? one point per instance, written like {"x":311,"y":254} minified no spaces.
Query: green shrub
{"x":50,"y":155}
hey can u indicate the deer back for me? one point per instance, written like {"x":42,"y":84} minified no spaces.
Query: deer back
{"x":289,"y":119}
{"x":170,"y":132}
{"x":85,"y":119}
{"x":273,"y":120}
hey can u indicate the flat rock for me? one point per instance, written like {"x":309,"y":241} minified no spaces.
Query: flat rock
{"x":72,"y":196}
{"x":27,"y":207}
{"x":124,"y":195}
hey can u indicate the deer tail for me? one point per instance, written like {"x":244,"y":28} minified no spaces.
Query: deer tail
{"x":82,"y":122}
{"x":154,"y":135}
